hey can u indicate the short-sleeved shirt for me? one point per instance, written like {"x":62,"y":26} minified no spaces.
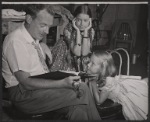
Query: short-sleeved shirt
{"x":18,"y":53}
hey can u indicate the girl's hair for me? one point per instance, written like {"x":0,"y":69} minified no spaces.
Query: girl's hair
{"x":107,"y":66}
{"x":33,"y":9}
{"x":84,"y":9}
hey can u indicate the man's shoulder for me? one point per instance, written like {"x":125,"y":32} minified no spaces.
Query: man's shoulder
{"x":14,"y":35}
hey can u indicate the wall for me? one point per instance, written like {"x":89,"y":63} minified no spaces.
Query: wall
{"x":108,"y":17}
{"x":141,"y":47}
{"x":127,"y":11}
{"x":137,"y":12}
{"x":119,"y":11}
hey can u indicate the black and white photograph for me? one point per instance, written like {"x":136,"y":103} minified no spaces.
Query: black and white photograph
{"x":75,"y":60}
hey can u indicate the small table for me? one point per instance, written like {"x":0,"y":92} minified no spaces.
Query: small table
{"x":123,"y":44}
{"x":110,"y":110}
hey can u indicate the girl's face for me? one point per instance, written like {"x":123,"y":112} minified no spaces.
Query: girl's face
{"x":82,"y":21}
{"x":94,"y":65}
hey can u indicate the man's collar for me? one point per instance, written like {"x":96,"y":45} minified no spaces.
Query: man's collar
{"x":37,"y":41}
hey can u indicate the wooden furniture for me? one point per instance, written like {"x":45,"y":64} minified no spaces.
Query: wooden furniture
{"x":110,"y":110}
{"x":124,"y":34}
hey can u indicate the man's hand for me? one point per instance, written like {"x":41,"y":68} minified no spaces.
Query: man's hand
{"x":72,"y":81}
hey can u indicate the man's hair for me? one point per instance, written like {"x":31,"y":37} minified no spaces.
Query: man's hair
{"x":33,"y":9}
{"x":84,"y":9}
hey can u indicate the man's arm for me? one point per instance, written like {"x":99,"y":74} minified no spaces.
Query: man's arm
{"x":35,"y":83}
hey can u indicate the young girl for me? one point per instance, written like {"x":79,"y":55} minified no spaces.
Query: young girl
{"x":73,"y":50}
{"x":80,"y":35}
{"x":132,"y":94}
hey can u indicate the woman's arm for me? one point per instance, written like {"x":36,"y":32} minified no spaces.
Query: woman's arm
{"x":77,"y":43}
{"x":99,"y":96}
{"x":74,"y":44}
{"x":86,"y":45}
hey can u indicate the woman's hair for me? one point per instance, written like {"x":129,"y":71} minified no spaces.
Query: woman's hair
{"x":107,"y":66}
{"x":33,"y":9}
{"x":84,"y":9}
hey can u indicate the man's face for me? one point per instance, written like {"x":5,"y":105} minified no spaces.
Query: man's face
{"x":39,"y":27}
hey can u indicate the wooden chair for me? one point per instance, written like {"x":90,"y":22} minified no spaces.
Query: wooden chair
{"x":124,"y":42}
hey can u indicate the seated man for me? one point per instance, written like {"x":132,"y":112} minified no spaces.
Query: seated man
{"x":22,"y":57}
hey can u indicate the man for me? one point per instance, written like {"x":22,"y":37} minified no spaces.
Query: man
{"x":21,"y":59}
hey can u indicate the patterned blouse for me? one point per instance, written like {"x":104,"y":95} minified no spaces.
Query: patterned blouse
{"x":70,"y":36}
{"x":63,"y":59}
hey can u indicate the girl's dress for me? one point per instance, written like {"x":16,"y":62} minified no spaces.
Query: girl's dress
{"x":131,"y":93}
{"x":61,"y":57}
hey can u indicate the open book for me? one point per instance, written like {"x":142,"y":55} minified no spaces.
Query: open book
{"x":61,"y":74}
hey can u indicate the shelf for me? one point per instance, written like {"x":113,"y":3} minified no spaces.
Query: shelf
{"x":13,"y":19}
{"x":124,"y":39}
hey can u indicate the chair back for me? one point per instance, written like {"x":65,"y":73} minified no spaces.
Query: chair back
{"x":116,"y":51}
